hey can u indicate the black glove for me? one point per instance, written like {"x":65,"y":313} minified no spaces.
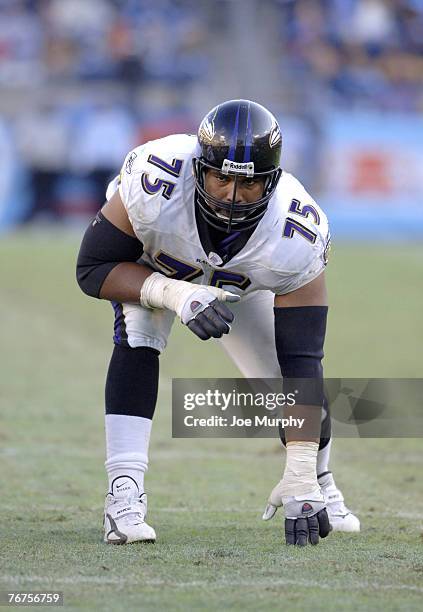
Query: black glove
{"x":212,"y":322}
{"x":299,"y":531}
{"x":306,"y":516}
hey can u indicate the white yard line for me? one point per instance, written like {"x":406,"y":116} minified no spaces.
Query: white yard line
{"x":116,"y":580}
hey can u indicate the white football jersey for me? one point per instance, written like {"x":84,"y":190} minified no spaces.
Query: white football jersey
{"x":287,"y":249}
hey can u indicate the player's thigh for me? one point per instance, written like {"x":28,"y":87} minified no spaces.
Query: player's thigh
{"x":136,"y":326}
{"x":251,"y":341}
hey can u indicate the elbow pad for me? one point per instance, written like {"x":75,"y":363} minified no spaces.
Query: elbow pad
{"x":300,"y":336}
{"x":103,"y":247}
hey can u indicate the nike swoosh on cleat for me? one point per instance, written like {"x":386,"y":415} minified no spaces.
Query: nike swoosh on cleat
{"x":122,"y":537}
{"x":121,"y":485}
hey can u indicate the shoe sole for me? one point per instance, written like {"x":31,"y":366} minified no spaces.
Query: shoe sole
{"x":121,"y":543}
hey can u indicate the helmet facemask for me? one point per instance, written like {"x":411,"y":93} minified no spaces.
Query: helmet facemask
{"x":239,"y":217}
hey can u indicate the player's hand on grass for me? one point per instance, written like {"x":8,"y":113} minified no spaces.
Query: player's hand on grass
{"x":306,"y":518}
{"x":200,"y":307}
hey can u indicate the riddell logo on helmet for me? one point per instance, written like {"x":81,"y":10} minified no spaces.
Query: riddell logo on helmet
{"x":239,"y":167}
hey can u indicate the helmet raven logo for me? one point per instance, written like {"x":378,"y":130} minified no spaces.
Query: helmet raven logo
{"x":275,"y":136}
{"x":207,"y":131}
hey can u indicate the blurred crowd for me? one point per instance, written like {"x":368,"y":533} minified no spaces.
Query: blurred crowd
{"x":83,"y":81}
{"x":58,"y":41}
{"x":88,"y":70}
{"x":354,"y":53}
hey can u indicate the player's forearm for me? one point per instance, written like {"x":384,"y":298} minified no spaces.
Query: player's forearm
{"x":124,"y":282}
{"x":300,"y":334}
{"x":310,"y":418}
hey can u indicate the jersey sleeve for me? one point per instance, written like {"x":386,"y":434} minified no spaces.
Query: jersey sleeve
{"x":152,"y":174}
{"x":131,"y":192}
{"x":309,"y":244}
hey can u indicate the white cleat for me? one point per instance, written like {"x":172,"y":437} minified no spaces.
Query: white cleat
{"x":124,"y":514}
{"x":340,"y":517}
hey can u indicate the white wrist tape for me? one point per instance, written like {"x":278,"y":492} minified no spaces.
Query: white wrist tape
{"x":159,"y":291}
{"x":300,"y":476}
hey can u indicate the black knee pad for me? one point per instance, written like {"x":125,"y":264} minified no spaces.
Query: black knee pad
{"x":132,"y":381}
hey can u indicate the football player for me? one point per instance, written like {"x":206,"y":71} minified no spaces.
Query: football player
{"x":192,"y":225}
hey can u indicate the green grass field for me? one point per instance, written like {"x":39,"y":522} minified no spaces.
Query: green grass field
{"x":205,"y":496}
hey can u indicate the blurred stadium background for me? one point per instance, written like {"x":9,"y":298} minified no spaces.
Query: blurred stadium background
{"x":81,"y":83}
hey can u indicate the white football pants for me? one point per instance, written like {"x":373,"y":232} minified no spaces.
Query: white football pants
{"x":250,"y":343}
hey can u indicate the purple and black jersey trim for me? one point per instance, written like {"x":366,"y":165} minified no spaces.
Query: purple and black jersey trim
{"x":120,"y":337}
